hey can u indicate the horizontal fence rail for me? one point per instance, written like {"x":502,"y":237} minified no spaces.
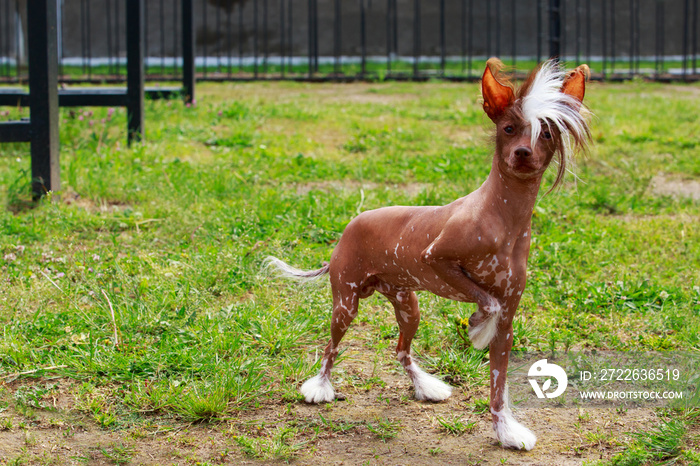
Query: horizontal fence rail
{"x":365,"y":39}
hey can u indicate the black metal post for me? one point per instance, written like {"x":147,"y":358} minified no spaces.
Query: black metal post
{"x":42,"y":35}
{"x":188,"y":75}
{"x":135,"y":69}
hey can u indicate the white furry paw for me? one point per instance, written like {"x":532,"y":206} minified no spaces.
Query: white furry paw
{"x":318,"y":390}
{"x":511,"y":433}
{"x":429,"y":388}
{"x":482,"y":334}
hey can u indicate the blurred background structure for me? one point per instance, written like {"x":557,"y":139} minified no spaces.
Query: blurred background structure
{"x":365,"y":39}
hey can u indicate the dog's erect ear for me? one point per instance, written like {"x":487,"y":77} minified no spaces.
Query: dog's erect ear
{"x":575,"y":82}
{"x":497,"y":97}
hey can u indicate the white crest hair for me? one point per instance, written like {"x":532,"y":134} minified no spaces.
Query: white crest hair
{"x":546,"y":103}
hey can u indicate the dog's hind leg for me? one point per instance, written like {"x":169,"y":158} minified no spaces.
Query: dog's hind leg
{"x":407,"y":312}
{"x":346,"y":298}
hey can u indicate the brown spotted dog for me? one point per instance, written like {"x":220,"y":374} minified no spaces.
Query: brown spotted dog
{"x":473,"y":250}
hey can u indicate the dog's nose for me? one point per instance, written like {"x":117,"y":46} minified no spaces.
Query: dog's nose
{"x":523,"y":152}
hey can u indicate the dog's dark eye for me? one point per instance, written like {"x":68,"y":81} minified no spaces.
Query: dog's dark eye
{"x":509,"y":129}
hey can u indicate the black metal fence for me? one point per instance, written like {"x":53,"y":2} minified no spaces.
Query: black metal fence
{"x":386,"y":39}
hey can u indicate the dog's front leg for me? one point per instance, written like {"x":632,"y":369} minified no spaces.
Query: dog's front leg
{"x":509,"y":432}
{"x":482,"y":324}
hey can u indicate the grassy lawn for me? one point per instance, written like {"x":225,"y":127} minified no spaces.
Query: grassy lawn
{"x":135,"y":312}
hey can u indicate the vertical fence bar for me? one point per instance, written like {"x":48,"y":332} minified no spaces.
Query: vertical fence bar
{"x":134,"y":69}
{"x":315,"y":35}
{"x":442,"y":37}
{"x":108,"y":21}
{"x":498,"y":27}
{"x":206,"y":39}
{"x":18,"y":54}
{"x":311,"y":38}
{"x":613,"y":48}
{"x":83,"y":44}
{"x":240,"y":39}
{"x":265,"y":41}
{"x":229,"y":31}
{"x":686,"y":19}
{"x":6,"y":39}
{"x":631,"y":61}
{"x":562,"y":30}
{"x":60,"y":26}
{"x":540,"y":30}
{"x":188,"y":66}
{"x":604,"y":37}
{"x":161,"y":18}
{"x":463,"y":35}
{"x":695,"y":37}
{"x":255,"y":39}
{"x":471,"y":36}
{"x":176,"y":42}
{"x":291,"y":37}
{"x":42,"y":38}
{"x":118,"y":42}
{"x":416,"y":36}
{"x":6,"y":28}
{"x":388,"y":36}
{"x":218,"y":36}
{"x":395,"y":28}
{"x":638,"y":26}
{"x":578,"y":32}
{"x":89,"y":39}
{"x":363,"y":40}
{"x":660,"y":35}
{"x":554,"y":29}
{"x":488,"y":29}
{"x":145,"y":34}
{"x":282,"y":39}
{"x":513,"y":30}
{"x":588,"y":31}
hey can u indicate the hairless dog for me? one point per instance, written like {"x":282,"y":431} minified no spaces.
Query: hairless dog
{"x":473,"y":250}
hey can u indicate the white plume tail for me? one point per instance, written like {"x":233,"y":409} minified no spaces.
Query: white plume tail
{"x":292,"y":273}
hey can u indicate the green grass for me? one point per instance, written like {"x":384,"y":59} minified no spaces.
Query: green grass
{"x":170,"y":236}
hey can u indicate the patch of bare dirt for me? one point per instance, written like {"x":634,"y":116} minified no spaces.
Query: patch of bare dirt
{"x":103,"y":206}
{"x":410,"y":189}
{"x":677,"y":187}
